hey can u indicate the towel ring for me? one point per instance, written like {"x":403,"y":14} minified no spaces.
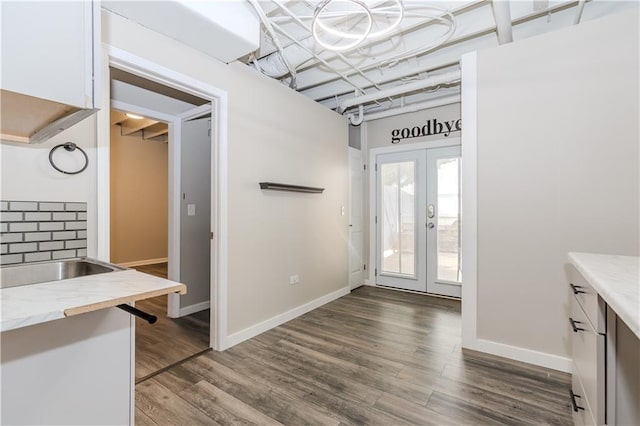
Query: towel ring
{"x":69,"y":146}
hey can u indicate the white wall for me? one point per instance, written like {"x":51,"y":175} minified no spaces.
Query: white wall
{"x":379,"y":132}
{"x":139,"y":198}
{"x":26,"y":174}
{"x":558,"y":171}
{"x":276,"y":135}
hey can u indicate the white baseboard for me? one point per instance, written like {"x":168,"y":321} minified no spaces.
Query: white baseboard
{"x":144,"y":262}
{"x":529,"y":356}
{"x":196,"y":307}
{"x":259,"y":328}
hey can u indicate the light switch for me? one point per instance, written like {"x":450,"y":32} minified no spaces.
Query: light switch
{"x":342,"y":210}
{"x":191,"y":209}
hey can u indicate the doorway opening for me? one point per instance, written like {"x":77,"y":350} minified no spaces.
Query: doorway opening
{"x":160,"y":141}
{"x":417,"y":220}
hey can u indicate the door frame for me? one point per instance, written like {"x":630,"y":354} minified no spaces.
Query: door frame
{"x":218,"y":98}
{"x":359,"y":156}
{"x":373,"y":196}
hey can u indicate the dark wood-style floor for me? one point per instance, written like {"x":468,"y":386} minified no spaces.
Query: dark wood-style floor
{"x":376,"y":357}
{"x":169,"y":340}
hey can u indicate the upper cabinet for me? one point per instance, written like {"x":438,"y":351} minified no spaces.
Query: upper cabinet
{"x":49,"y":59}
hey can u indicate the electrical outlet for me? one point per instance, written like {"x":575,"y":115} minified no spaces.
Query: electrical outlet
{"x":294,"y":279}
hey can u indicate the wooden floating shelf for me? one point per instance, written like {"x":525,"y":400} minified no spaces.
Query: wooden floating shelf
{"x":291,"y":188}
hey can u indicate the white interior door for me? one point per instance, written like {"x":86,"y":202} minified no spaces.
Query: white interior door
{"x":443,"y":221}
{"x":195,"y":214}
{"x":401,"y":219}
{"x":356,"y":235}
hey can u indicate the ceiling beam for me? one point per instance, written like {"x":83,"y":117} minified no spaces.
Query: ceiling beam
{"x":502,"y":16}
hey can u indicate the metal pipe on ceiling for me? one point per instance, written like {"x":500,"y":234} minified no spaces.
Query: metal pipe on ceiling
{"x":267,"y":24}
{"x":436,"y":80}
{"x":418,"y":106}
{"x":502,"y":16}
{"x":578,"y":17}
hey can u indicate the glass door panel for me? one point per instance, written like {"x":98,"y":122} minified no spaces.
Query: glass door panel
{"x":443,"y":223}
{"x":398,"y":217}
{"x":401,"y":194}
{"x":448,"y":219}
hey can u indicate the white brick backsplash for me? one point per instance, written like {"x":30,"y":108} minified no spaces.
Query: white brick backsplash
{"x":37,"y":236}
{"x":37,"y":257}
{"x":75,"y":244}
{"x":11,"y":216}
{"x":52,"y":245}
{"x":37,"y":216}
{"x":52,"y":226}
{"x":10,"y":238}
{"x":64,"y":254}
{"x":23,"y":205}
{"x":75,"y":225}
{"x":7,"y":259}
{"x":80,"y":207}
{"x":22,"y":247}
{"x":64,"y":216}
{"x":23,"y":226}
{"x":34,"y":231}
{"x":52,"y":207}
{"x":66,"y":235}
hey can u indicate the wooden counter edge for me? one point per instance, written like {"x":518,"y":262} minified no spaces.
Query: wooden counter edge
{"x":180,"y":289}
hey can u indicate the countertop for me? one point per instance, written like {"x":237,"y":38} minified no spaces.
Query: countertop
{"x":36,"y":303}
{"x":617,"y":281}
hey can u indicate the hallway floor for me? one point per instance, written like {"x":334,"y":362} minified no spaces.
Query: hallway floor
{"x":169,"y":340}
{"x":376,"y":356}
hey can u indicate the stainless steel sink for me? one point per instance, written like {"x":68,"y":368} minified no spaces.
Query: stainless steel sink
{"x":40,"y":272}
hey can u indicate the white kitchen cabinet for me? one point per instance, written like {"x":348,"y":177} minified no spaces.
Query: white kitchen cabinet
{"x":49,"y":60}
{"x":605,"y":339}
{"x":588,"y":325}
{"x":74,"y":371}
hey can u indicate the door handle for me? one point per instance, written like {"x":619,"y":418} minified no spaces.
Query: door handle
{"x":430,"y":225}
{"x":575,"y":288}
{"x":574,"y":404}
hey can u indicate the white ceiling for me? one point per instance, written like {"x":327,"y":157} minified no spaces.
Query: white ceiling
{"x":409,"y":55}
{"x":330,"y":77}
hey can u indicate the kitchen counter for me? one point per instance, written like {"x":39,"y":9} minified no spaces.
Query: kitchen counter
{"x":37,"y":303}
{"x":617,"y":280}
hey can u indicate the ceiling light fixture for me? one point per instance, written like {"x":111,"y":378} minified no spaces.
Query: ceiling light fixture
{"x":134,"y":116}
{"x":334,"y":21}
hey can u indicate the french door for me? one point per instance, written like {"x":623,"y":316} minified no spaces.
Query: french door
{"x":418,"y":220}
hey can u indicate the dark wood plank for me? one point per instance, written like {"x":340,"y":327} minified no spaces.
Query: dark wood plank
{"x":166,"y":408}
{"x":222,"y":407}
{"x":375,"y":357}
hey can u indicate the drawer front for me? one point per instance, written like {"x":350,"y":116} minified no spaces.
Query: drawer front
{"x":588,"y":349}
{"x":593,"y":306}
{"x":580,"y":406}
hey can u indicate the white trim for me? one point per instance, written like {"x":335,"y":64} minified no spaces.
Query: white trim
{"x":103,"y":164}
{"x":259,"y":328}
{"x":173,"y":270}
{"x":196,"y":307}
{"x":469,"y":202}
{"x":136,"y":109}
{"x":196,"y":112}
{"x":136,"y":65}
{"x":144,"y":262}
{"x":373,"y":152}
{"x":529,"y":356}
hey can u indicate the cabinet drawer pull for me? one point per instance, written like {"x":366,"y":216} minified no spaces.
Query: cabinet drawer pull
{"x":574,"y":404}
{"x":575,"y":289}
{"x":573,"y":325}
